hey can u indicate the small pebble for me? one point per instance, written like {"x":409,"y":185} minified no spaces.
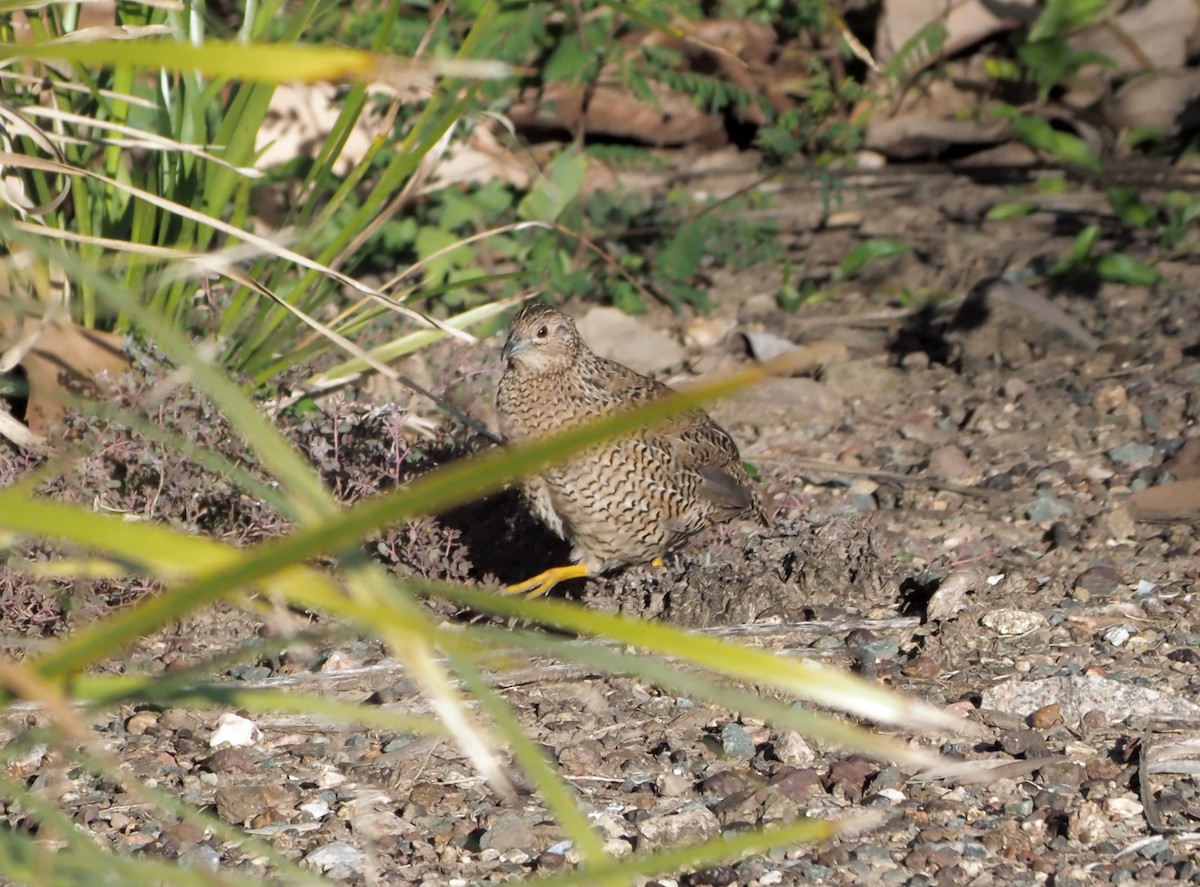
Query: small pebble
{"x":338,"y":855}
{"x":510,"y":831}
{"x":1132,"y":454}
{"x":1094,"y":719}
{"x":736,"y":742}
{"x":234,"y":730}
{"x":1100,"y":580}
{"x":201,"y":858}
{"x":1011,"y":622}
{"x":140,"y":722}
{"x":793,"y":749}
{"x":676,"y":828}
{"x":1117,"y":635}
{"x":921,"y":667}
{"x":1046,"y":717}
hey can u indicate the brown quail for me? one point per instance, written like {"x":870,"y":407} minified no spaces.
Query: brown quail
{"x":623,"y":502}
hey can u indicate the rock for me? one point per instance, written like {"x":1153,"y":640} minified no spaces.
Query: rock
{"x":140,"y":722}
{"x":1046,"y":717}
{"x":317,"y":809}
{"x":849,"y":777}
{"x":865,"y":380}
{"x":706,"y":332}
{"x":726,"y":782}
{"x":1066,"y":773}
{"x":201,"y":858}
{"x":337,"y":861}
{"x":741,"y":809}
{"x":616,"y":335}
{"x":242,"y":803}
{"x":1081,"y":693}
{"x":673,"y":785}
{"x":921,"y":667}
{"x":951,"y":593}
{"x":767,"y":345}
{"x":230,"y":760}
{"x":714,"y":876}
{"x":234,"y":730}
{"x":1100,"y":580}
{"x":510,"y":831}
{"x":581,"y":758}
{"x":1132,"y":454}
{"x":794,"y":750}
{"x":1027,"y":743}
{"x":1185,"y":464}
{"x":1011,"y":622}
{"x":687,"y":826}
{"x":797,"y":784}
{"x":736,"y":742}
{"x":1094,"y":719}
{"x":950,"y":463}
{"x":1046,"y":508}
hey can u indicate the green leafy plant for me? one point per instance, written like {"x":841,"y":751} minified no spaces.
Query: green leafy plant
{"x":1064,"y":147}
{"x":1111,"y":266}
{"x":872,"y":250}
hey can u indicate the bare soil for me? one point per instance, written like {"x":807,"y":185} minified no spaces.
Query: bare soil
{"x":950,"y":493}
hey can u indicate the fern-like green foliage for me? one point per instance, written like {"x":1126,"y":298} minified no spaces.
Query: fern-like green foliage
{"x":915,"y":54}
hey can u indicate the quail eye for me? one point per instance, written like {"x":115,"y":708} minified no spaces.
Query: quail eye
{"x":543,"y":332}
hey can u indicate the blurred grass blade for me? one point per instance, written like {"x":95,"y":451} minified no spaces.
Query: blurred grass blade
{"x":701,"y":855}
{"x":103,"y":690}
{"x":804,"y":679}
{"x":691,"y":684}
{"x":259,"y":62}
{"x":350,"y":370}
{"x":433,"y":493}
{"x":532,"y":760}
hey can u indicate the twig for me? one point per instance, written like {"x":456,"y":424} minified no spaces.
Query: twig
{"x":825,"y":466}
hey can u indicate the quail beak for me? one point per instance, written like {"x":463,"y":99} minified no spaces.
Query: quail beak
{"x":514,"y":346}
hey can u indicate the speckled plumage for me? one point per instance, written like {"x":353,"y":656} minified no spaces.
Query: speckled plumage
{"x":631,"y":500}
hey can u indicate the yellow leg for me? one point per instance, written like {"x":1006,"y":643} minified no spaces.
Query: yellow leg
{"x":543,"y":582}
{"x":657,"y":562}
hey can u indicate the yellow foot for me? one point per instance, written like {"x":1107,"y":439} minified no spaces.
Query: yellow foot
{"x":543,"y":582}
{"x":657,"y":562}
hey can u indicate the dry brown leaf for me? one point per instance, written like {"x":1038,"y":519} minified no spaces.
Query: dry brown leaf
{"x":966,"y":24}
{"x":65,"y":362}
{"x":932,"y":119}
{"x":298,"y":119}
{"x":479,"y":159}
{"x":1164,"y":100}
{"x":611,"y":111}
{"x":1155,"y":35}
{"x":738,"y":51}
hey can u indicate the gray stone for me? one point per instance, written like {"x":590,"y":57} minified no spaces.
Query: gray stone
{"x":338,"y":860}
{"x":736,"y":742}
{"x":677,"y":828}
{"x":510,"y":831}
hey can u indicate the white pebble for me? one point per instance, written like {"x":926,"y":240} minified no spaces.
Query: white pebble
{"x":234,"y":730}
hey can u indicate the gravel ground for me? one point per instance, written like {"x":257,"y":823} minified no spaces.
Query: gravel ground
{"x":998,"y":533}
